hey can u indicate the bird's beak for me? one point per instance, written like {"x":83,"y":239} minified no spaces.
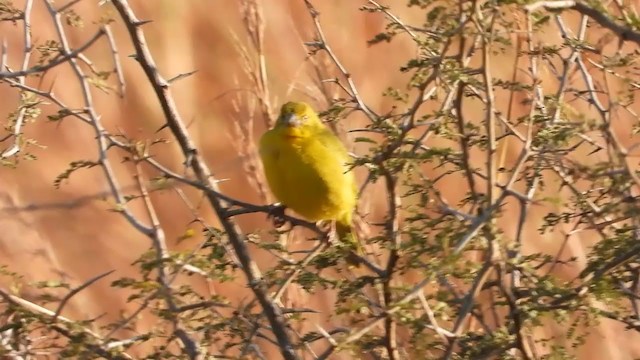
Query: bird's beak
{"x":291,"y":120}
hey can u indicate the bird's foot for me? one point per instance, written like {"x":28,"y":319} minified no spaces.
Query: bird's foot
{"x":276,"y":214}
{"x":328,"y":233}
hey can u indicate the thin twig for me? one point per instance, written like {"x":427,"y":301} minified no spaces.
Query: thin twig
{"x":76,"y":290}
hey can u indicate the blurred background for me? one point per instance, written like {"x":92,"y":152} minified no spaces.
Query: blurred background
{"x":71,"y":233}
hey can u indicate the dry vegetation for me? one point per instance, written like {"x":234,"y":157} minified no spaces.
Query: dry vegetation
{"x":495,"y":143}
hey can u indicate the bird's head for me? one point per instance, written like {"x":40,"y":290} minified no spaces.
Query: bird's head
{"x":297,"y":114}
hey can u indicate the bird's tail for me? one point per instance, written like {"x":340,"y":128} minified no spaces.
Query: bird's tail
{"x":349,"y":241}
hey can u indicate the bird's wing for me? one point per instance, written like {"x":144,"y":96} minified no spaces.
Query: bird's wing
{"x":332,"y":143}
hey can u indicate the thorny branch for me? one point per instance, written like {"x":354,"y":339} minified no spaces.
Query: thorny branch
{"x":625,"y":33}
{"x":200,"y":169}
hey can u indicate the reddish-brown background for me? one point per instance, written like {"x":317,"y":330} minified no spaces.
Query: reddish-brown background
{"x":69,"y":234}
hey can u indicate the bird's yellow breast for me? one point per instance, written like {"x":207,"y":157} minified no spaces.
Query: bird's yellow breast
{"x":307,"y":172}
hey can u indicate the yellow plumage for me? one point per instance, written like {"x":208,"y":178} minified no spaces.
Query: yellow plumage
{"x":306,"y":168}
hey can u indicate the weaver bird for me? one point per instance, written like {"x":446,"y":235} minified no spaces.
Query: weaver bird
{"x":306,"y":166}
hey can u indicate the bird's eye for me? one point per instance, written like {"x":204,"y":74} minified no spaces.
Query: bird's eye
{"x":305,"y":117}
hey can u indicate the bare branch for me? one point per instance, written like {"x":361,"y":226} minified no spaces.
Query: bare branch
{"x":197,"y":164}
{"x":625,"y":33}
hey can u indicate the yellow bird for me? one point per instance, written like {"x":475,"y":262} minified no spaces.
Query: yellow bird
{"x":306,"y":168}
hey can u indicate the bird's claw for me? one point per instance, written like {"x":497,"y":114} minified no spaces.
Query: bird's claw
{"x":276,"y":214}
{"x":327,"y":234}
{"x":327,"y":237}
